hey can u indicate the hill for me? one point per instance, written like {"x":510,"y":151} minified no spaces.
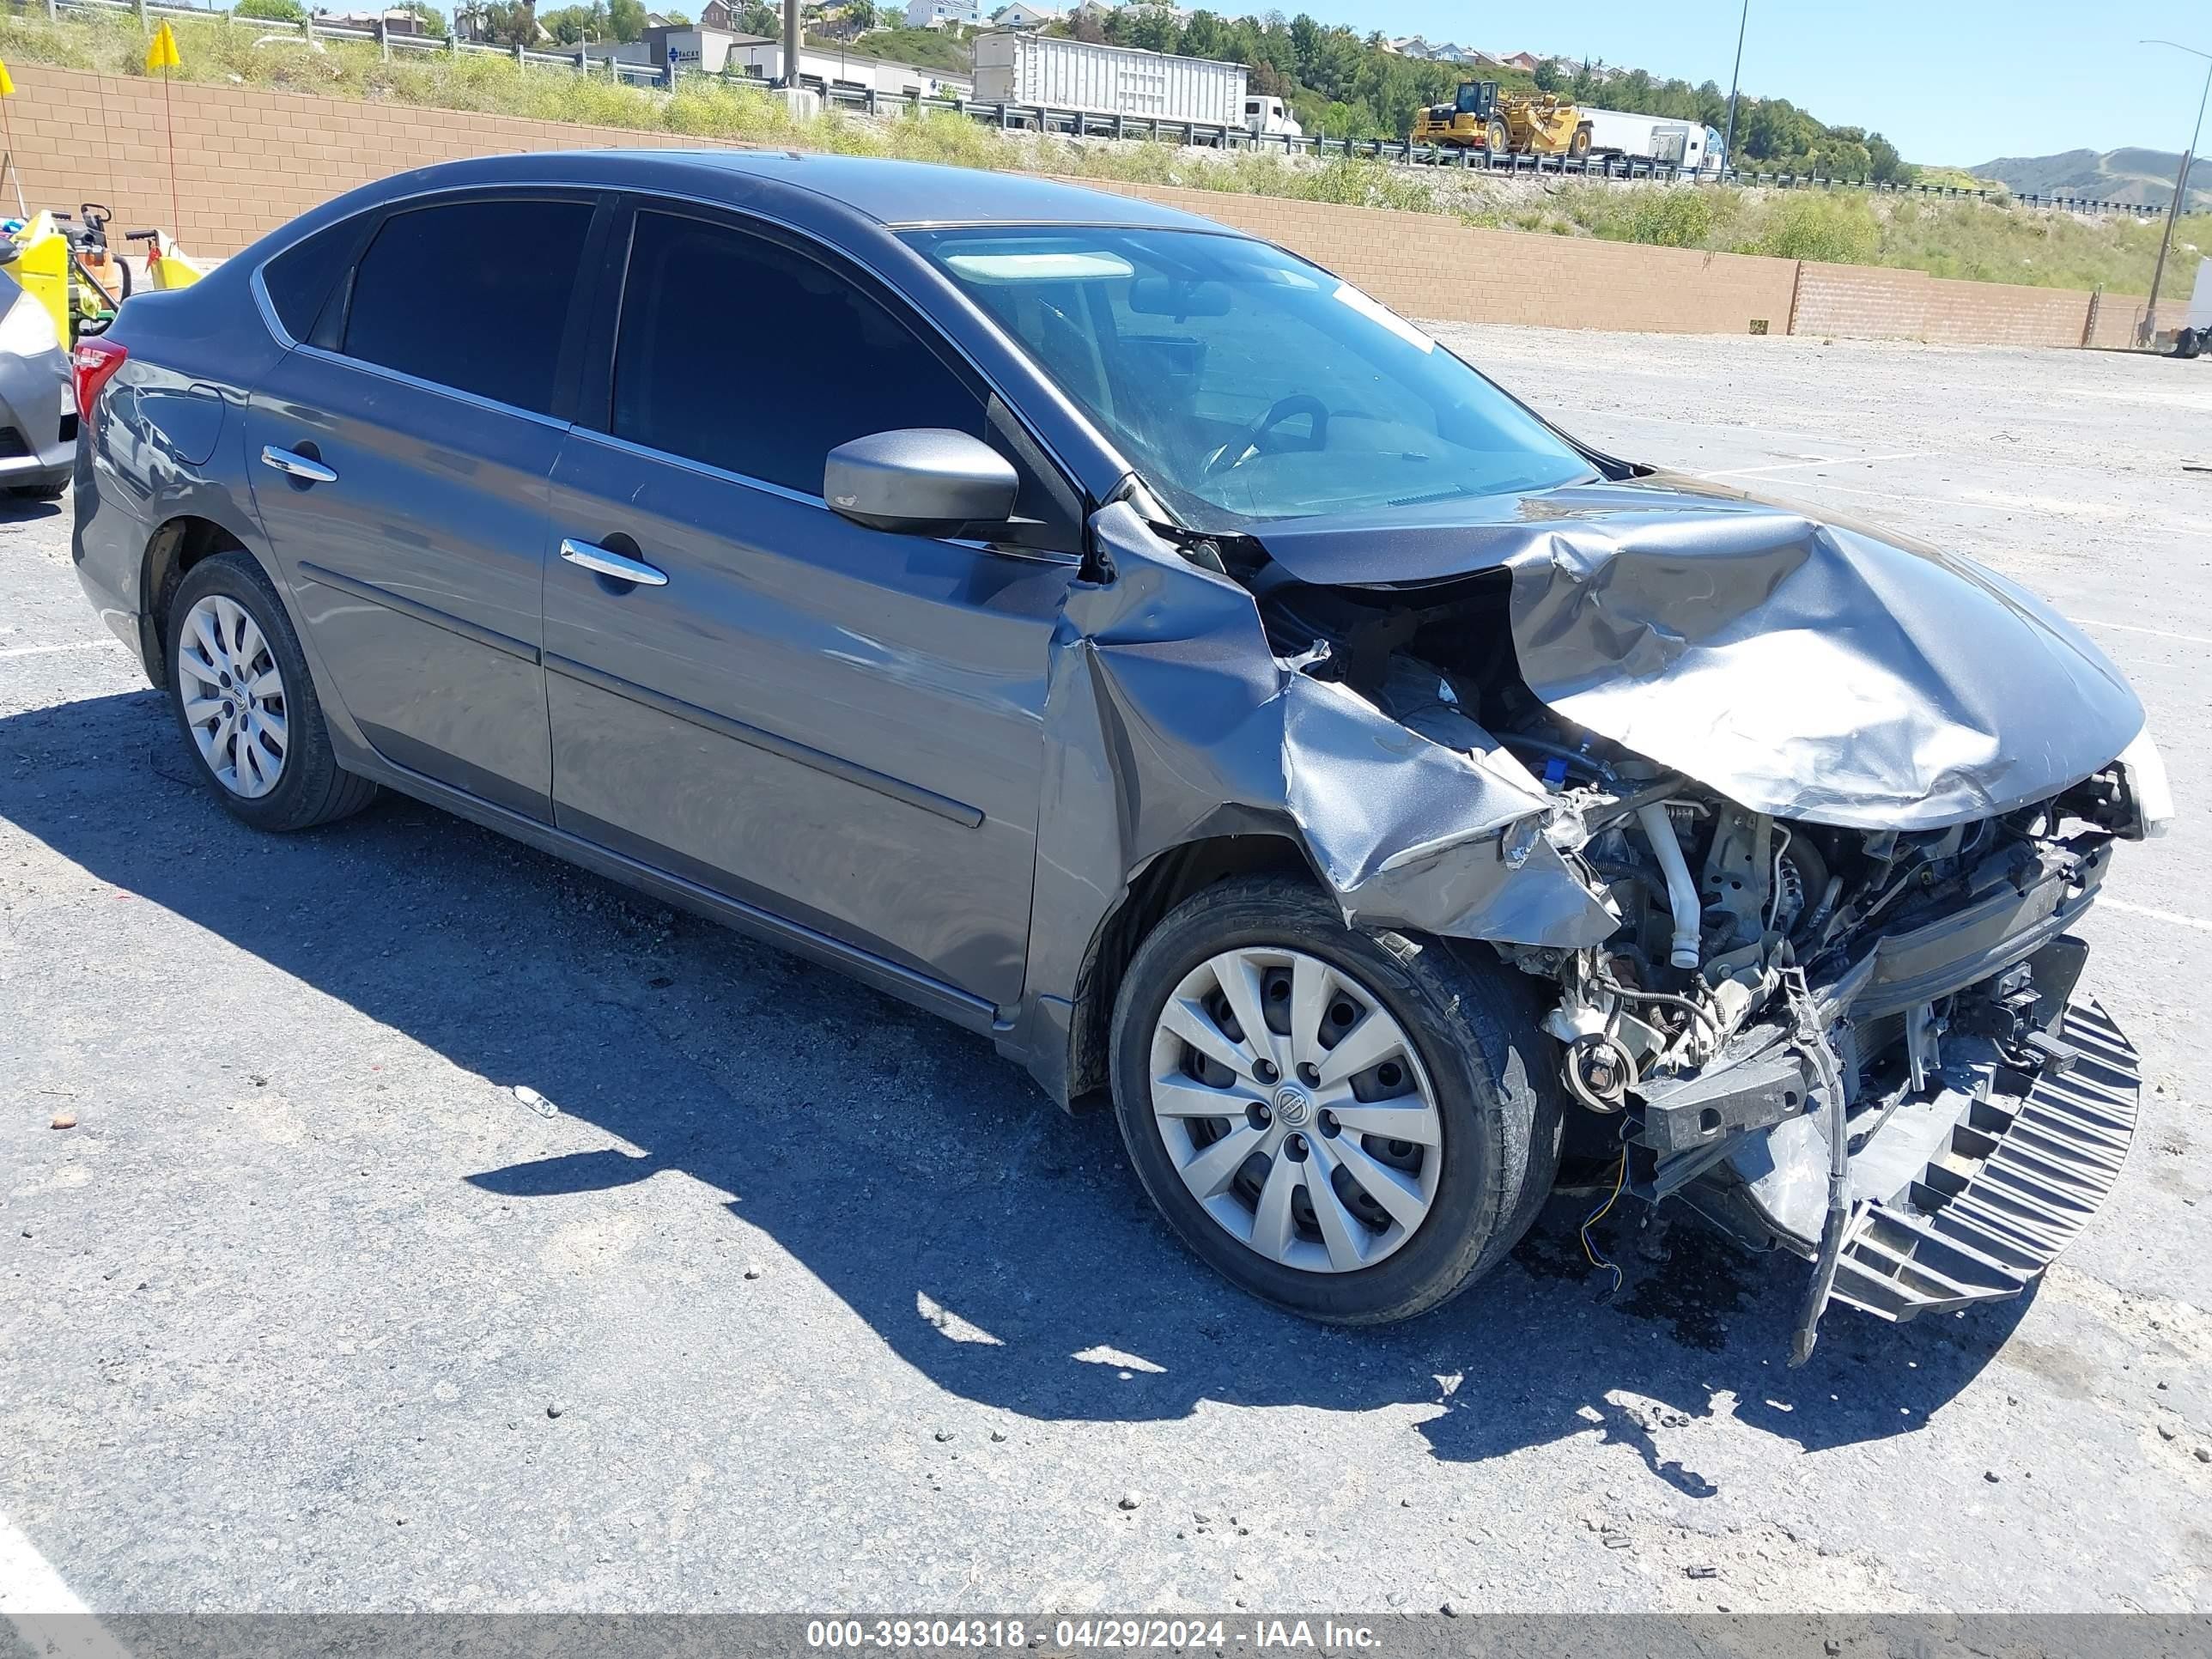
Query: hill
{"x":2145,"y":176}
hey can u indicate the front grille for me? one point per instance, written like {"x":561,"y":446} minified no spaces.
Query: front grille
{"x":2019,"y":1178}
{"x":11,"y":444}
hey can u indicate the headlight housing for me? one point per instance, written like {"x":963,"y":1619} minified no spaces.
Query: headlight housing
{"x":2143,"y":770}
{"x":26,"y":330}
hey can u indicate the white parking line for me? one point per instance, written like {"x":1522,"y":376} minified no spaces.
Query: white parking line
{"x":2138,"y":628}
{"x":2155,"y":915}
{"x":1817,"y":460}
{"x":48,"y":650}
{"x":45,"y":1611}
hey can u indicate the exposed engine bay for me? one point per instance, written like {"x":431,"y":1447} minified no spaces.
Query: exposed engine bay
{"x":1806,"y":1031}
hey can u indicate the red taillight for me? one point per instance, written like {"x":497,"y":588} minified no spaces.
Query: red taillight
{"x":92,"y":365}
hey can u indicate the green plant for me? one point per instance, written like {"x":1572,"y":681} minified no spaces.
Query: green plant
{"x":272,"y":11}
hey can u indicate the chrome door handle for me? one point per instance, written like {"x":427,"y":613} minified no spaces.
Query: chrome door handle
{"x":295,"y":465}
{"x":592,"y":556}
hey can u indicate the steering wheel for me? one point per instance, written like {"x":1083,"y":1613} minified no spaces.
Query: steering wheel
{"x":1234,"y":454}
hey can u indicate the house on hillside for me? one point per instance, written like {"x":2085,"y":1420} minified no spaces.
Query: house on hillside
{"x":718,"y":14}
{"x":942,"y":14}
{"x":1523,"y":60}
{"x":395,"y":22}
{"x":1020,"y":16}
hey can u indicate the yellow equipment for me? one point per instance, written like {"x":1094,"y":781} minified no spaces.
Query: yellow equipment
{"x":43,"y":269}
{"x":1506,"y":124}
{"x":166,"y":265}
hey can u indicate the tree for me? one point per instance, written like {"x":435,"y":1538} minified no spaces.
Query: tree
{"x":758,"y":18}
{"x":512,"y":22}
{"x":1548,"y":78}
{"x":572,"y":25}
{"x":626,"y":20}
{"x":433,"y":19}
{"x":1885,"y":165}
{"x":272,"y":11}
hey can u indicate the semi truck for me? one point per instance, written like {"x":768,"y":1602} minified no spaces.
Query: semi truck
{"x":1018,"y":66}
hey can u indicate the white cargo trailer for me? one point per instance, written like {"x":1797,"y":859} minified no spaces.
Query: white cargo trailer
{"x":1015,"y":66}
{"x":1661,"y":138}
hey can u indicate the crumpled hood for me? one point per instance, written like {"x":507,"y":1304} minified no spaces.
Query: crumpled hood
{"x":1809,"y":668}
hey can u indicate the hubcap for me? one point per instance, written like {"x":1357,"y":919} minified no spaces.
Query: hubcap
{"x":1295,"y":1109}
{"x":233,"y":696}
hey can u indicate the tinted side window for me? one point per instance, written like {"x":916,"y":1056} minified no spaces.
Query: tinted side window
{"x":300,"y":278}
{"x":789,"y":361}
{"x":472,"y":295}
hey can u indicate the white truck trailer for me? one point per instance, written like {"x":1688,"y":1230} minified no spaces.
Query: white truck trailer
{"x":1018,"y":66}
{"x":1659,"y":138}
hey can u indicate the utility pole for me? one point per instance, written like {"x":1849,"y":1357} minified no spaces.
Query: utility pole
{"x":1735,"y":79}
{"x":791,"y":42}
{"x":2149,"y":327}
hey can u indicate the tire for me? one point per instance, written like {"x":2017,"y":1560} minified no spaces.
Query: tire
{"x":1498,"y":139}
{"x":2188,"y":343}
{"x":1578,"y":147}
{"x":307,"y":786}
{"x":1482,"y":1066}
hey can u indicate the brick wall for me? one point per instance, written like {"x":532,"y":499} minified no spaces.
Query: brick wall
{"x":248,"y":159}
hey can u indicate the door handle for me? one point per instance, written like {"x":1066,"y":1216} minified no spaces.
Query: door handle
{"x":593,"y":557}
{"x":296,"y":465}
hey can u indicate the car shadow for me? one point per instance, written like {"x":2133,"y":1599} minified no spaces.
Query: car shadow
{"x":998,"y":1245}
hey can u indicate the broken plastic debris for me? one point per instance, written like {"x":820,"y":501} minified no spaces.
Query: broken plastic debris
{"x":537,"y":1103}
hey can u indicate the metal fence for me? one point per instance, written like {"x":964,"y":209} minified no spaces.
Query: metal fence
{"x":1089,"y":125}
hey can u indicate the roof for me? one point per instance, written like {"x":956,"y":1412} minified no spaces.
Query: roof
{"x":890,"y":193}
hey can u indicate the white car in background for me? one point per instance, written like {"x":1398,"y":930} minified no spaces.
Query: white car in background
{"x":38,"y":415}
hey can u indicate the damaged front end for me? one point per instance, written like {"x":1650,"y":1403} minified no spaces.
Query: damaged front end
{"x":1796,"y":819}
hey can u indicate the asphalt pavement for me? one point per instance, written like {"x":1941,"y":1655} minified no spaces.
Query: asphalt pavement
{"x":779,"y":1296}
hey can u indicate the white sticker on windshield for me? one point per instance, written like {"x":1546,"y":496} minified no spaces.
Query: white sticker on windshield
{"x":1375,"y":312}
{"x":1066,"y":266}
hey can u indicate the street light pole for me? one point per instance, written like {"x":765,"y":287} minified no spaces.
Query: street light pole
{"x":2150,"y":328}
{"x":1735,"y":79}
{"x":793,"y":37}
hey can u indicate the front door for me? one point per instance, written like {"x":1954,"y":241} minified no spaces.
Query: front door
{"x":402,"y":476}
{"x":837,"y":725}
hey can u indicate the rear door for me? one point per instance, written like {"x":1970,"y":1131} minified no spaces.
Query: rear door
{"x":837,"y":725}
{"x":400,"y":460}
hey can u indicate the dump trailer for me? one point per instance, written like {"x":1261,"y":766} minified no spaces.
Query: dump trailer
{"x":1480,"y":117}
{"x":1018,"y":66}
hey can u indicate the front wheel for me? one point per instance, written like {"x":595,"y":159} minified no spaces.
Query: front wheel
{"x":1353,"y":1125}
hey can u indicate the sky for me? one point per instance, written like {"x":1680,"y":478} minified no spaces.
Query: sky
{"x":1949,"y":82}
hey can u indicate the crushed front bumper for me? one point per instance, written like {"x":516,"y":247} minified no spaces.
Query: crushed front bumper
{"x":2017,"y":1178}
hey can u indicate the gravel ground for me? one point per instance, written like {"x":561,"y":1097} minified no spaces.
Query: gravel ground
{"x":790,"y":1298}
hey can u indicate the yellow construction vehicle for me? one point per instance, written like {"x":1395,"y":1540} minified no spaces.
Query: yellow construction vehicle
{"x":1504,"y":124}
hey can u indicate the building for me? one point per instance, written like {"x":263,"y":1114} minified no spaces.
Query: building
{"x":1021,"y":15}
{"x":717,"y":15}
{"x":1524,"y":60}
{"x":824,"y":68}
{"x":395,"y":22}
{"x":942,"y":14}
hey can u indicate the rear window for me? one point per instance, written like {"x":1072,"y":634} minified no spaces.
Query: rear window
{"x":300,"y":278}
{"x":472,"y":295}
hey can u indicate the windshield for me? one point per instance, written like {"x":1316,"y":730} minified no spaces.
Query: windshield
{"x":1245,"y":384}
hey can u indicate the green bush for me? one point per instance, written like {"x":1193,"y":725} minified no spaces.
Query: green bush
{"x":1814,"y":225}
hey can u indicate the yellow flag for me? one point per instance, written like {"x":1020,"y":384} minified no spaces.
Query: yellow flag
{"x":161,"y":50}
{"x":7,"y":82}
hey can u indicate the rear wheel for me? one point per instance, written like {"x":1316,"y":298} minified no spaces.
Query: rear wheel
{"x":1498,"y":139}
{"x":1352,"y":1126}
{"x":245,"y":704}
{"x":1579,"y":146}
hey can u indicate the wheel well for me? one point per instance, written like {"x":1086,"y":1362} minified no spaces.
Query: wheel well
{"x":1166,"y":882}
{"x":176,"y":547}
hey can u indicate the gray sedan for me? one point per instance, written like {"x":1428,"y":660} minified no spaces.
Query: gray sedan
{"x":1132,"y":642}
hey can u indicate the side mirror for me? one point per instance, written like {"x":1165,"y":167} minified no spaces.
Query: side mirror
{"x":925,"y":482}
